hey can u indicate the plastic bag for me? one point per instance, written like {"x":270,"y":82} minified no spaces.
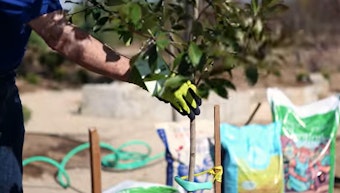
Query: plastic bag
{"x":176,"y":139}
{"x":308,"y":141}
{"x":252,"y":158}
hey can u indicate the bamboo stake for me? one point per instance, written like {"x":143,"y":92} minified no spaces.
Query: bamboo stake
{"x":218,"y":187}
{"x":95,"y":161}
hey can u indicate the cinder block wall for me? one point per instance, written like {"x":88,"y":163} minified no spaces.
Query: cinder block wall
{"x":127,"y":101}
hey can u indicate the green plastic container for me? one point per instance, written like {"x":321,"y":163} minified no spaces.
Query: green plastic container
{"x":152,"y":189}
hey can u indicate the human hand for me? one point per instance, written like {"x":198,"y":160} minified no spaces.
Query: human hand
{"x":156,"y":78}
{"x":183,"y":98}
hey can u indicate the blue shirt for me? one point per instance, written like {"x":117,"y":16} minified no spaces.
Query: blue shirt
{"x":14,"y":33}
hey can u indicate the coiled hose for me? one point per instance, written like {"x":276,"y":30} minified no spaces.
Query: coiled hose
{"x":117,"y":160}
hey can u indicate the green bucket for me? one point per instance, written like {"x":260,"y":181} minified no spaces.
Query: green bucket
{"x":151,"y":189}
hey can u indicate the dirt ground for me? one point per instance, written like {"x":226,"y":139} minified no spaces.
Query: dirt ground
{"x":56,"y":128}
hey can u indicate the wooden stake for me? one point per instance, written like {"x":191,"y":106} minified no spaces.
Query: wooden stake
{"x":95,"y":158}
{"x":218,"y":185}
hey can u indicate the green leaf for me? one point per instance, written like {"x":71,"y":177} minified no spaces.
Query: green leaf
{"x":223,"y":82}
{"x":150,"y":22}
{"x":197,"y":28}
{"x":221,"y":91}
{"x":102,"y":21}
{"x":258,"y":27}
{"x":152,"y":77}
{"x":255,"y":6}
{"x":178,"y":60}
{"x":220,"y":86}
{"x":114,"y":2}
{"x":203,"y":90}
{"x":151,"y":54}
{"x":162,"y":41}
{"x":135,"y":13}
{"x":195,"y":54}
{"x":175,"y":82}
{"x":96,"y":14}
{"x":127,"y":37}
{"x":135,"y":75}
{"x":178,"y":27}
{"x":185,"y":68}
{"x":96,"y":28}
{"x":252,"y":75}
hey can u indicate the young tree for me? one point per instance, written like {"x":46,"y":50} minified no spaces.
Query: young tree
{"x":201,"y":41}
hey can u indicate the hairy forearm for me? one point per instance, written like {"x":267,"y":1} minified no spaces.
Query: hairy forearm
{"x":80,"y":47}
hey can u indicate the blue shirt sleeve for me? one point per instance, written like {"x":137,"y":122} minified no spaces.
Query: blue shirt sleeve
{"x":41,"y":7}
{"x":15,"y":14}
{"x":25,"y":10}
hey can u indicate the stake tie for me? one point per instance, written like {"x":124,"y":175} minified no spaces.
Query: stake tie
{"x":216,"y":171}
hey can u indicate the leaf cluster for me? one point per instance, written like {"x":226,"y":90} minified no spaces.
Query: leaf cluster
{"x":202,"y":41}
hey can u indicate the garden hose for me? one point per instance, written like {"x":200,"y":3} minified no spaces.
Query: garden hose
{"x":117,"y":160}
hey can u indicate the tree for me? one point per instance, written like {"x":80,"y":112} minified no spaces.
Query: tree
{"x":201,"y":41}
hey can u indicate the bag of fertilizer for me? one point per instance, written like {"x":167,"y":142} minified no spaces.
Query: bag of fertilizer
{"x":308,"y":141}
{"x":252,"y":159}
{"x":176,"y":139}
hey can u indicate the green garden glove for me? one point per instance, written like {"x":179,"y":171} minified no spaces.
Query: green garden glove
{"x":157,"y":79}
{"x":183,"y":98}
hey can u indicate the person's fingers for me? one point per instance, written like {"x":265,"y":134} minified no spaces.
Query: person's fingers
{"x":197,"y":111}
{"x":178,"y":110}
{"x":195,"y":96}
{"x":194,"y":108}
{"x":183,"y":103}
{"x":190,"y":100}
{"x":197,"y":102}
{"x":193,"y":91}
{"x":191,"y":115}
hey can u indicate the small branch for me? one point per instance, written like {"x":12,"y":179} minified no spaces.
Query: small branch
{"x":170,"y":53}
{"x":253,"y":114}
{"x":203,"y":11}
{"x":192,"y":150}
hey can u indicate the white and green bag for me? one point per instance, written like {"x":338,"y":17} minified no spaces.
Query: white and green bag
{"x":308,"y":141}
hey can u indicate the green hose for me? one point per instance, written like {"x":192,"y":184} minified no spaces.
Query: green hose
{"x":117,"y":160}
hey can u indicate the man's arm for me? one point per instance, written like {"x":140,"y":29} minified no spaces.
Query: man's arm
{"x":80,"y":47}
{"x":83,"y":49}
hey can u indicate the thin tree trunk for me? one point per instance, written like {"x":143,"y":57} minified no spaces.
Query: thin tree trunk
{"x":192,"y":157}
{"x":191,"y":10}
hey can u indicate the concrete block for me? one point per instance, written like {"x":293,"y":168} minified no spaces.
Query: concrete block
{"x":123,"y":100}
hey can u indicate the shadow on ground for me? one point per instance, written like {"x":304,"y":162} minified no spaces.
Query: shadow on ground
{"x":54,"y":147}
